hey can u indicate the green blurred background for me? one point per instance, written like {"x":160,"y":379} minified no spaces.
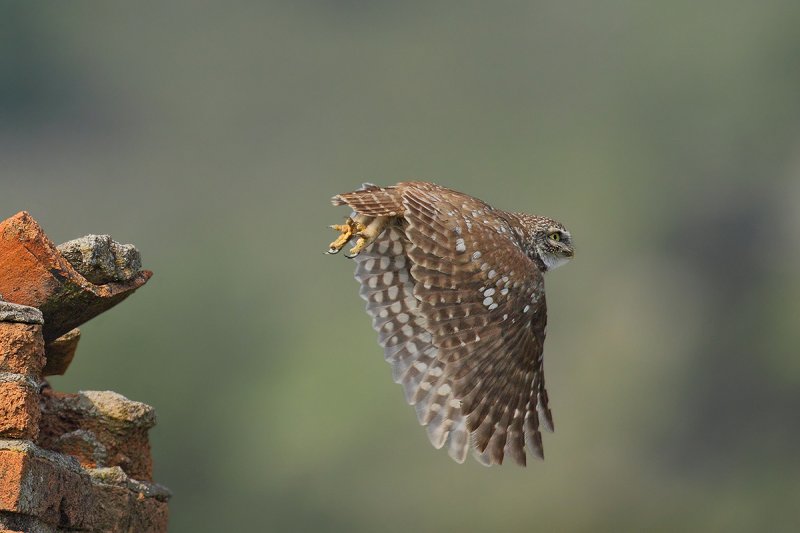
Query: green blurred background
{"x":665,"y":135}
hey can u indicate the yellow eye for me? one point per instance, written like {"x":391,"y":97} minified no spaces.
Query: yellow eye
{"x":555,"y":236}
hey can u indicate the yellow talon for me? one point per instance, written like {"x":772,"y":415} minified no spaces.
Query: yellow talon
{"x":361,"y":243}
{"x":366,"y":228}
{"x":348,"y":230}
{"x":368,"y":234}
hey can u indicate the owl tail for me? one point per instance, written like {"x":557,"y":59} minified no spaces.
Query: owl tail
{"x":371,"y":200}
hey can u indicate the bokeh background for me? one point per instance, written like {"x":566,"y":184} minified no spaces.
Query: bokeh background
{"x":665,"y":135}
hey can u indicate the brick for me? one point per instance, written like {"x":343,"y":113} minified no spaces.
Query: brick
{"x":60,"y":353}
{"x":52,"y":490}
{"x":19,"y":407}
{"x":36,"y":274}
{"x":21,"y":348}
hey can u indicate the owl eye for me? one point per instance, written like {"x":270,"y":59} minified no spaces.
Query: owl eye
{"x":555,"y":236}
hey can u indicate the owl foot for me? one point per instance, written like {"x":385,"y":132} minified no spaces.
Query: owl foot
{"x":365,"y":228}
{"x":374,"y":227}
{"x":348,"y":230}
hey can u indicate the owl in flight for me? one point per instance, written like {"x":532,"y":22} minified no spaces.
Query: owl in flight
{"x":455,"y":290}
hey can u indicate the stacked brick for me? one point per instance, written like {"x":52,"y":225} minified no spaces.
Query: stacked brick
{"x":68,"y":462}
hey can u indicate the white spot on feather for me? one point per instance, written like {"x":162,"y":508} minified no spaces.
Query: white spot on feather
{"x":393,"y":290}
{"x":488,"y":301}
{"x":460,"y":246}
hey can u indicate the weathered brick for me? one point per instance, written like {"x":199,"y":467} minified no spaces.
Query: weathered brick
{"x":35,"y":273}
{"x":53,"y":490}
{"x":21,"y":348}
{"x":19,"y":407}
{"x":60,"y":353}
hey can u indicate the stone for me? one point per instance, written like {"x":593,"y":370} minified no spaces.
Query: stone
{"x":102,"y":260}
{"x":99,"y":429}
{"x":36,"y":274}
{"x":24,"y":314}
{"x":60,"y":353}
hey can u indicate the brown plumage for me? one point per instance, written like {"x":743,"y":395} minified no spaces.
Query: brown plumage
{"x":455,"y":289}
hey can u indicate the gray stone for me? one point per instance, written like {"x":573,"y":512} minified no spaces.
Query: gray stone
{"x":116,"y":408}
{"x":11,"y":312}
{"x":114,"y":475}
{"x":101,"y":260}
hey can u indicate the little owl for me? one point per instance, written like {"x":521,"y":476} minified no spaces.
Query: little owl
{"x":455,"y":290}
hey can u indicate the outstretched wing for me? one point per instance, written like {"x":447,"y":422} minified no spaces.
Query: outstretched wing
{"x":460,"y":311}
{"x":383,"y":269}
{"x":483,"y":303}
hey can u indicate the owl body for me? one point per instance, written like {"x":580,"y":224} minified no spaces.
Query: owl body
{"x":455,"y":290}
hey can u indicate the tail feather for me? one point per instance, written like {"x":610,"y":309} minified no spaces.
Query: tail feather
{"x":372,"y":200}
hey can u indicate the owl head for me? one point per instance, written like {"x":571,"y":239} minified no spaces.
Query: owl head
{"x":546,"y":241}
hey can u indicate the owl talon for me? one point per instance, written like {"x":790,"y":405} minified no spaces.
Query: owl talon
{"x":348,"y":230}
{"x":368,"y":234}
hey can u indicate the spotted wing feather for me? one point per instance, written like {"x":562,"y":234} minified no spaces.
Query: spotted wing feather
{"x":383,"y":270}
{"x":483,"y":303}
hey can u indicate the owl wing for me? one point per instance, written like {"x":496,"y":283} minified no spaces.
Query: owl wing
{"x":483,"y":304}
{"x":384,"y":271}
{"x":460,"y":312}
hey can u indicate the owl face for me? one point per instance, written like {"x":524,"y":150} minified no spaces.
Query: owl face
{"x":553,"y":244}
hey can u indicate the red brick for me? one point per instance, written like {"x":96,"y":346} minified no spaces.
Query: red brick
{"x":19,"y":410}
{"x":21,"y":348}
{"x":60,"y":353}
{"x":48,"y":487}
{"x":35,"y":273}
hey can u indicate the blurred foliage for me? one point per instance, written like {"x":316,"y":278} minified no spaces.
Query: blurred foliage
{"x":665,"y":135}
